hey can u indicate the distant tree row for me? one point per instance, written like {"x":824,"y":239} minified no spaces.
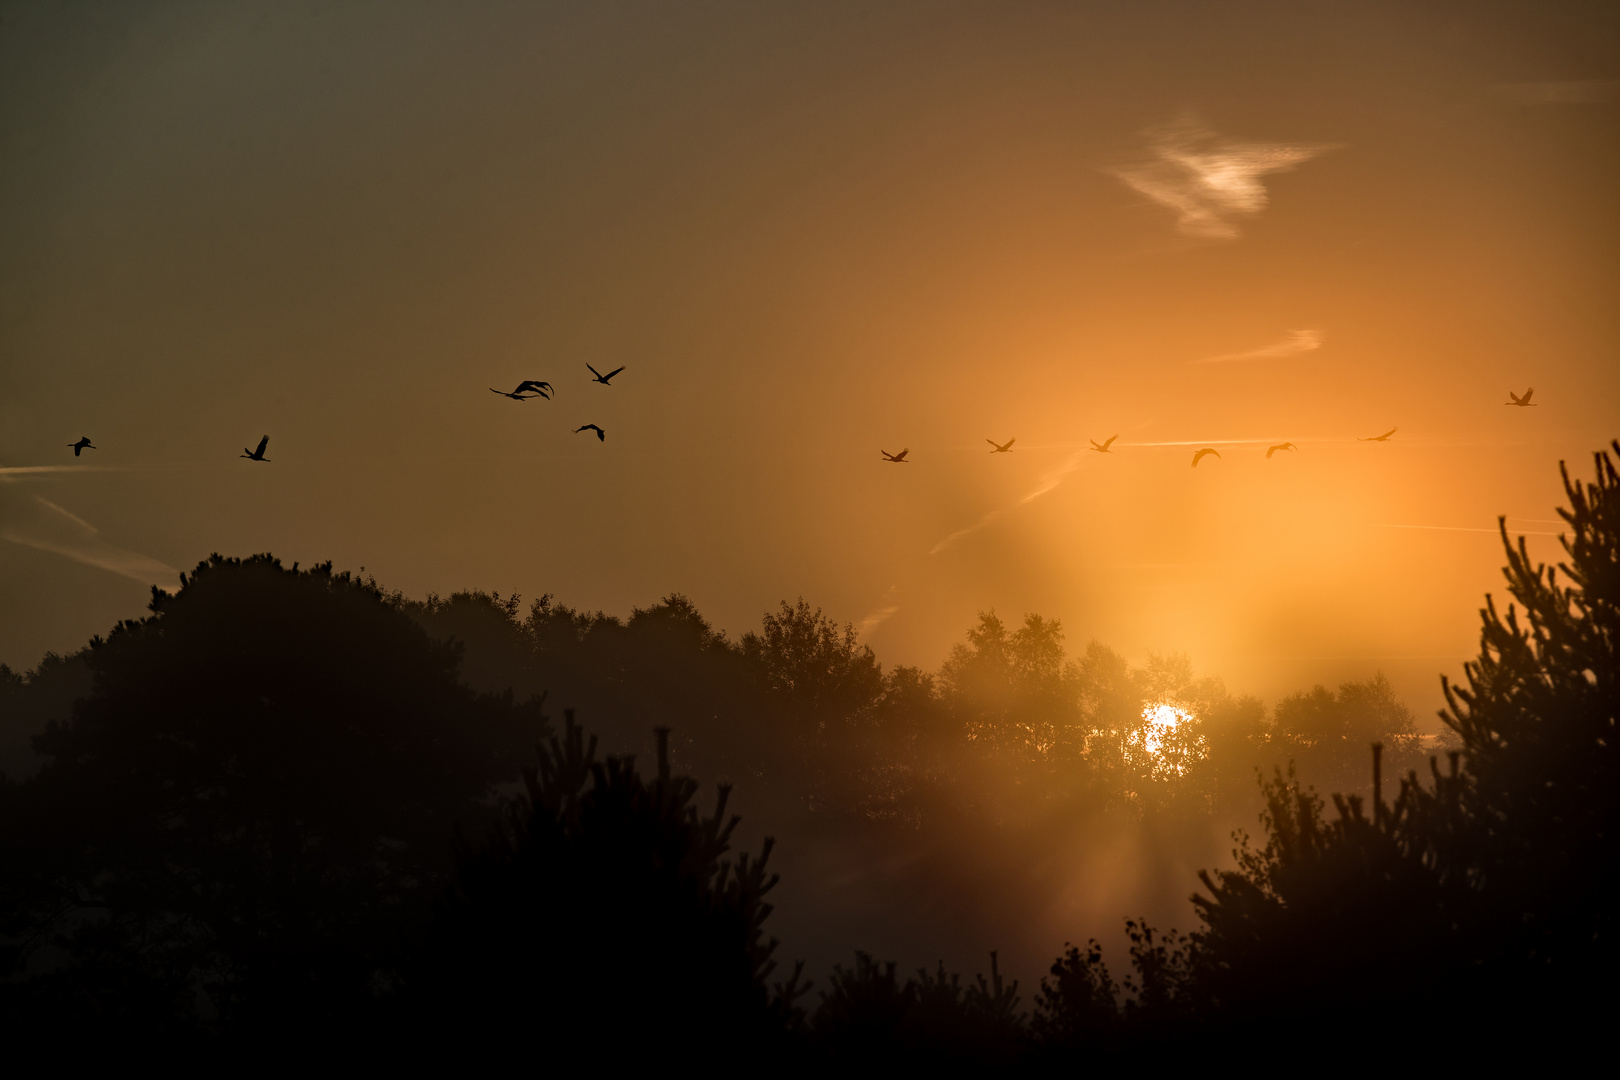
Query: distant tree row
{"x":281,"y":818}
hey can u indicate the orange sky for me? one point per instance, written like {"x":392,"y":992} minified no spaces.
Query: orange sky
{"x":811,"y":231}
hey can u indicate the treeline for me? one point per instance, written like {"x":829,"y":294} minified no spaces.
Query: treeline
{"x":1009,"y":712}
{"x":288,"y":810}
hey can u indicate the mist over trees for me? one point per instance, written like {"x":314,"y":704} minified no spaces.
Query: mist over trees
{"x":289,"y":809}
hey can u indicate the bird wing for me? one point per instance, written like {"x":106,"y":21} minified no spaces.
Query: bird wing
{"x":264,"y":442}
{"x":503,"y":393}
{"x":1009,"y":443}
{"x":598,"y":374}
{"x":992,"y":442}
{"x":1513,"y":398}
{"x":1388,"y":433}
{"x":1526,"y":399}
{"x":612,"y":373}
{"x":1271,"y":451}
{"x":1110,"y":441}
{"x":901,"y":456}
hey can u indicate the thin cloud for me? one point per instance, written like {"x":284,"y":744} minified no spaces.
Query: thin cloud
{"x":880,"y":614}
{"x":1296,"y":343}
{"x":1216,"y":442}
{"x":28,"y":470}
{"x":1048,"y":483}
{"x":1461,"y":528}
{"x":42,"y":525}
{"x":1561,"y":92}
{"x":1210,"y":182}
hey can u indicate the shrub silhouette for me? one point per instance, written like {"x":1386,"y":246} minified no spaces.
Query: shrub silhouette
{"x":603,"y":907}
{"x":868,"y":1018}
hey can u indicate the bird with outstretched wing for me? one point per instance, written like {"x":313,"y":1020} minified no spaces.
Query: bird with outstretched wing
{"x":1102,"y":448}
{"x":517,"y":395}
{"x":601,"y":378}
{"x":1001,"y":448}
{"x":1200,"y":455}
{"x":1379,"y":438}
{"x":1280,"y":446}
{"x":257,"y":455}
{"x":898,"y":459}
{"x":82,"y":444}
{"x":1521,"y":402}
{"x":601,"y":436}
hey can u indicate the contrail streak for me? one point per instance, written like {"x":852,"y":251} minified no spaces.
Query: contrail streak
{"x":64,"y":533}
{"x":1297,"y":342}
{"x":21,"y":470}
{"x":1460,"y":528}
{"x":1048,"y":483}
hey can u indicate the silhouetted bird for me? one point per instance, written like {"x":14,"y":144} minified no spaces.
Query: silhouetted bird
{"x":601,"y":436}
{"x":1102,"y":448}
{"x":601,"y":378}
{"x":521,"y":393}
{"x":82,"y":444}
{"x":1521,"y":402}
{"x":257,"y":455}
{"x":1001,"y":448}
{"x":1281,"y":446}
{"x":898,"y":459}
{"x":544,"y":389}
{"x":1199,"y":455}
{"x":1380,"y":438}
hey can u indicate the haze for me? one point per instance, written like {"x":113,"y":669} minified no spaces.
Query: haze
{"x":810,"y":232}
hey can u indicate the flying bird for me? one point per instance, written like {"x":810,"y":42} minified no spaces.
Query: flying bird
{"x":1380,"y":438}
{"x":601,"y":378}
{"x":1001,"y":448}
{"x":82,"y":444}
{"x":1199,"y":455}
{"x":257,"y":455}
{"x":1521,"y":402}
{"x":1102,"y":448}
{"x":524,"y":392}
{"x":898,"y":459}
{"x":538,"y":386}
{"x":601,"y":436}
{"x":1280,"y":446}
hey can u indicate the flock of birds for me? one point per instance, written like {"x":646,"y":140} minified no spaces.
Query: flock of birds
{"x":1198,"y":455}
{"x":533,"y":388}
{"x":529,"y":389}
{"x":526,"y":390}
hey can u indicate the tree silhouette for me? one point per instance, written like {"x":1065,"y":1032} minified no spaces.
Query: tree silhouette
{"x":603,"y":907}
{"x":254,"y":800}
{"x":1484,"y":898}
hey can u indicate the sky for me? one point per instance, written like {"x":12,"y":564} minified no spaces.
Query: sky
{"x":811,"y":232}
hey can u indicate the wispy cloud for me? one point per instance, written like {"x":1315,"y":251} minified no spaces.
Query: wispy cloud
{"x":1208,"y":181}
{"x":1561,"y":92}
{"x":1297,"y":342}
{"x":38,"y":523}
{"x":880,"y":614}
{"x":1048,"y":483}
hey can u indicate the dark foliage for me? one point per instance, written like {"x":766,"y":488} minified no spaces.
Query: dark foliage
{"x":255,"y":797}
{"x":869,"y":1019}
{"x":603,"y":911}
{"x":1483,"y":898}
